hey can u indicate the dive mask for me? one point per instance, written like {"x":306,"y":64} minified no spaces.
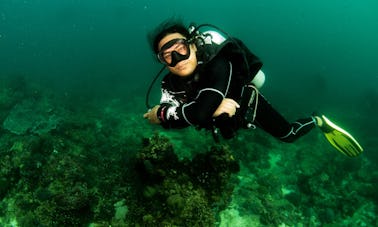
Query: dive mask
{"x":174,"y":51}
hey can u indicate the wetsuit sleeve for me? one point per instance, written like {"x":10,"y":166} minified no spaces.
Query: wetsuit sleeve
{"x":170,"y":110}
{"x":215,"y":79}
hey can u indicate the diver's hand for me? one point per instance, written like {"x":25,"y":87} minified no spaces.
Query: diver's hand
{"x":228,"y":106}
{"x":151,"y":115}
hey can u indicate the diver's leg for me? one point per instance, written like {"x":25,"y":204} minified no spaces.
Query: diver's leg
{"x":275,"y":124}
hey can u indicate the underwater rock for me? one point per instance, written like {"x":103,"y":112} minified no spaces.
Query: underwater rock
{"x":31,"y":116}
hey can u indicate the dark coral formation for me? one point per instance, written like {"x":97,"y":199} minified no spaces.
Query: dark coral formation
{"x":173,"y":192}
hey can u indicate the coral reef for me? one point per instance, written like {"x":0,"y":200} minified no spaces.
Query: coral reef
{"x":77,"y":161}
{"x":180,"y":193}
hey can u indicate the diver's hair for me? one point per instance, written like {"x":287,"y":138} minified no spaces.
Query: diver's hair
{"x":169,"y":26}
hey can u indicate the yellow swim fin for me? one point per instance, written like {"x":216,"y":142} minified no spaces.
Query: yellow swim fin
{"x":340,"y":139}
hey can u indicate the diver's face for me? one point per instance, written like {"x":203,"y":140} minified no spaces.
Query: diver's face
{"x":183,"y":67}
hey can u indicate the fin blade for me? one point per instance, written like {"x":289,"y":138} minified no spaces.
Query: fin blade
{"x":341,"y":139}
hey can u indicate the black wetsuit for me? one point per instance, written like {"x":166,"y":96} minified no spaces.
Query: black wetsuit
{"x":192,"y":100}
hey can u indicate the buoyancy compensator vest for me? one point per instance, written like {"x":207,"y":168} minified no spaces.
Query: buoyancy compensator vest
{"x":212,"y":41}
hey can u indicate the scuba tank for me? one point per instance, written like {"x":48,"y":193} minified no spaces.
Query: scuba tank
{"x":208,"y":39}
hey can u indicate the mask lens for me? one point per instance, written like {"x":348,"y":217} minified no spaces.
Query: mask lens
{"x":180,"y":46}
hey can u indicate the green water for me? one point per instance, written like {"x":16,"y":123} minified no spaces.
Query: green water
{"x":93,"y":57}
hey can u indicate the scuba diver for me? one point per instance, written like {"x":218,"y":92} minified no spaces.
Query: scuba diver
{"x":213,"y":83}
